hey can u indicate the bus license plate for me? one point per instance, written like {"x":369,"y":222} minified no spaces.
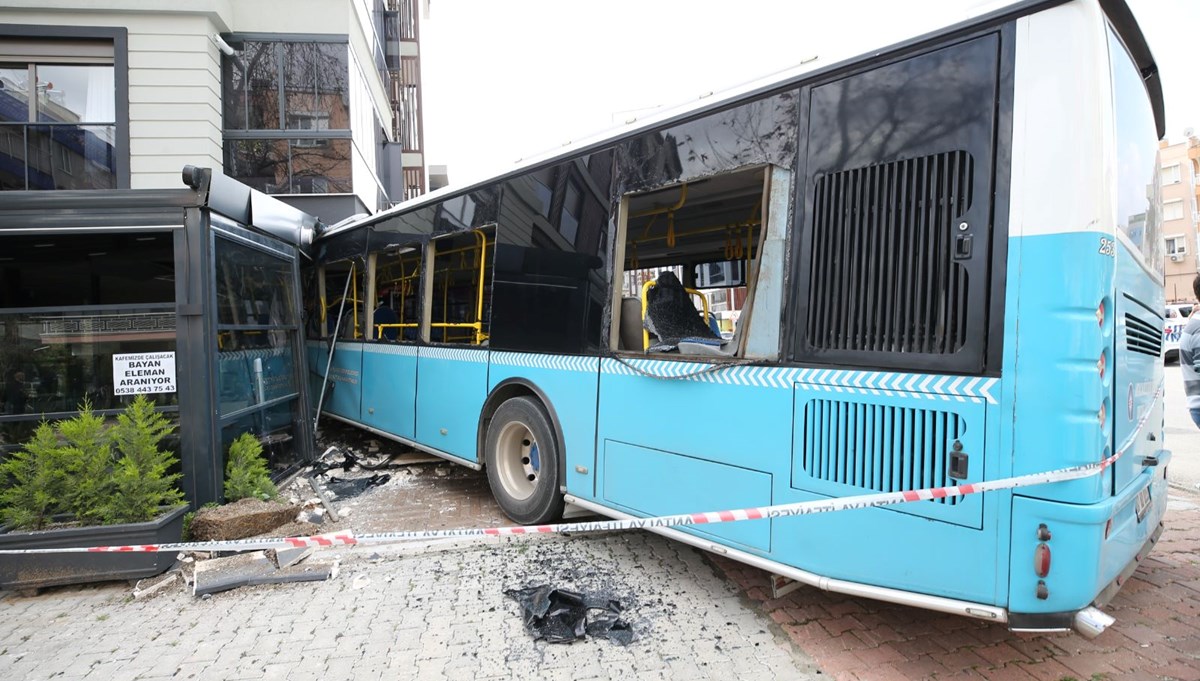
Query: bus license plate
{"x":1143,"y":503}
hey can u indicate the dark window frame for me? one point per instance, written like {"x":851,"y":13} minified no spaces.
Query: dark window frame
{"x":293,"y":137}
{"x":119,"y":36}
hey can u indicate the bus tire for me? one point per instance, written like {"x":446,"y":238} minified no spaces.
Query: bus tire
{"x":521,"y":458}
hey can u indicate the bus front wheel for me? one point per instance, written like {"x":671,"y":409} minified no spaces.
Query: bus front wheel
{"x":522,"y":464}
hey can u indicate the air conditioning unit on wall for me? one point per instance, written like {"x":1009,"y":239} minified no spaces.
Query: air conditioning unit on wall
{"x":1176,"y":257}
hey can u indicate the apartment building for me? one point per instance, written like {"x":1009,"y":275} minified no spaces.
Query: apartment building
{"x":1180,"y":182}
{"x":315,"y":101}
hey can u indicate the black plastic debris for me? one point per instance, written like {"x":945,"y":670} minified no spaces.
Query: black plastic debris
{"x":561,"y":616}
{"x":606,"y":624}
{"x":352,"y":487}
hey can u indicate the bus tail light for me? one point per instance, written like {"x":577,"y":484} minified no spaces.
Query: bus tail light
{"x":1041,"y":560}
{"x":1102,"y":414}
{"x":1100,"y":365}
{"x":1100,"y":314}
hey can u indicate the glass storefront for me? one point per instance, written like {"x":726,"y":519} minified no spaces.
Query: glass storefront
{"x":258,"y":325}
{"x":107,"y":295}
{"x":68,"y":304}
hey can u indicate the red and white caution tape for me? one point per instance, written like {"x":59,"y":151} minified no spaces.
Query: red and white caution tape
{"x":777,"y":511}
{"x":345,"y":538}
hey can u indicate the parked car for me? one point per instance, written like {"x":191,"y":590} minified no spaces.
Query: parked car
{"x":1174,"y":319}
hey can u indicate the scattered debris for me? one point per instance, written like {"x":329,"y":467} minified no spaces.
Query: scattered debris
{"x":361,"y":581}
{"x":349,"y":461}
{"x":247,"y":569}
{"x":241,"y":519}
{"x":561,"y":616}
{"x":325,"y":500}
{"x":152,"y":585}
{"x":352,"y":487}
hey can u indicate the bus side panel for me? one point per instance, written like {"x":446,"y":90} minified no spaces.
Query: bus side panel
{"x":634,"y":479}
{"x":706,"y":427}
{"x":742,"y":417}
{"x":390,"y":388}
{"x":569,"y":384}
{"x":344,"y":393}
{"x":861,"y":433}
{"x":881,"y":547}
{"x":451,"y":391}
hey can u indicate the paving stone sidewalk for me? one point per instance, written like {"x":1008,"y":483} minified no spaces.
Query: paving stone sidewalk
{"x":423,"y":613}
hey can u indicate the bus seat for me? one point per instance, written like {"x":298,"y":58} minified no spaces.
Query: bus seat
{"x":630,"y":321}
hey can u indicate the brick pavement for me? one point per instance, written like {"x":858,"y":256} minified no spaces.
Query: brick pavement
{"x":1156,"y":636}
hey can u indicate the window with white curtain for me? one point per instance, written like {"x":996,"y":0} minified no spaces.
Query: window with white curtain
{"x":58,"y":114}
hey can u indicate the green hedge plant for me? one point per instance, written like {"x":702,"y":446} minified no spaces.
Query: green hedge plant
{"x":99,"y":474}
{"x":141,"y":477}
{"x":246,"y":474}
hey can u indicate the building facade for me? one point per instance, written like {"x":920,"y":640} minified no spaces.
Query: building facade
{"x":1180,"y":181}
{"x":315,"y":101}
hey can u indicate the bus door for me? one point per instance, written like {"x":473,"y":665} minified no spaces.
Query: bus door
{"x":452,"y":368}
{"x":343,"y":317}
{"x":389,"y":381}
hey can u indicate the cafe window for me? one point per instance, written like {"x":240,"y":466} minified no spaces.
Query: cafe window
{"x":68,"y":304}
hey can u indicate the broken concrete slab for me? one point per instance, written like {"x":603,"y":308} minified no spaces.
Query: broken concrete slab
{"x":250,"y":569}
{"x":152,"y":585}
{"x":241,"y":519}
{"x":288,"y":557}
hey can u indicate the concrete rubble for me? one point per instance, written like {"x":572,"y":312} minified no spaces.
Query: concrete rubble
{"x":249,"y":569}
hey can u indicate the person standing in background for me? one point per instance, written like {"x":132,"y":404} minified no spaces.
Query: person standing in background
{"x":16,"y":393}
{"x":1189,"y":355}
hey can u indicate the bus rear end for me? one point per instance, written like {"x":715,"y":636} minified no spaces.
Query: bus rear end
{"x":1084,"y":313}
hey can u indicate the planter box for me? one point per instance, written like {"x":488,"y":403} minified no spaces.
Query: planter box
{"x":33,"y":571}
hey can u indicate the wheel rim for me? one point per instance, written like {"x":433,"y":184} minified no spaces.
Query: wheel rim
{"x":518,"y":460}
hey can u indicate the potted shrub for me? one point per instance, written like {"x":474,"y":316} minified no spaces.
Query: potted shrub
{"x":84,"y":482}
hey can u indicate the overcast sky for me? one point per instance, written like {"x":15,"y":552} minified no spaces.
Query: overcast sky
{"x":509,"y":80}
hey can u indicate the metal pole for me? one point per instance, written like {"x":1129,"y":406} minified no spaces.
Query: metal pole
{"x":337,"y":327}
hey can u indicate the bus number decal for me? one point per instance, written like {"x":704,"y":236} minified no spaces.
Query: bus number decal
{"x":1108,"y":247}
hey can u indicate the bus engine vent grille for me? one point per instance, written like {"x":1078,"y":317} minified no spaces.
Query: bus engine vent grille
{"x":879,"y":447}
{"x":1143,"y":337}
{"x":884,"y":276}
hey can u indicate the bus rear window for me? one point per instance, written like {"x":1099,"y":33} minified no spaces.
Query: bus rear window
{"x":1137,"y":188}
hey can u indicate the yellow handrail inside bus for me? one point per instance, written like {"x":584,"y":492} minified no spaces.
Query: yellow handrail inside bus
{"x":646,"y":288}
{"x":480,"y":265}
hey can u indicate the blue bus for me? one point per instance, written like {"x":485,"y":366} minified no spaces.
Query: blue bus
{"x":937,"y":264}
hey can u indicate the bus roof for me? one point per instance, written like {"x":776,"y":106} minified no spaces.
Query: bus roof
{"x":1118,"y":13}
